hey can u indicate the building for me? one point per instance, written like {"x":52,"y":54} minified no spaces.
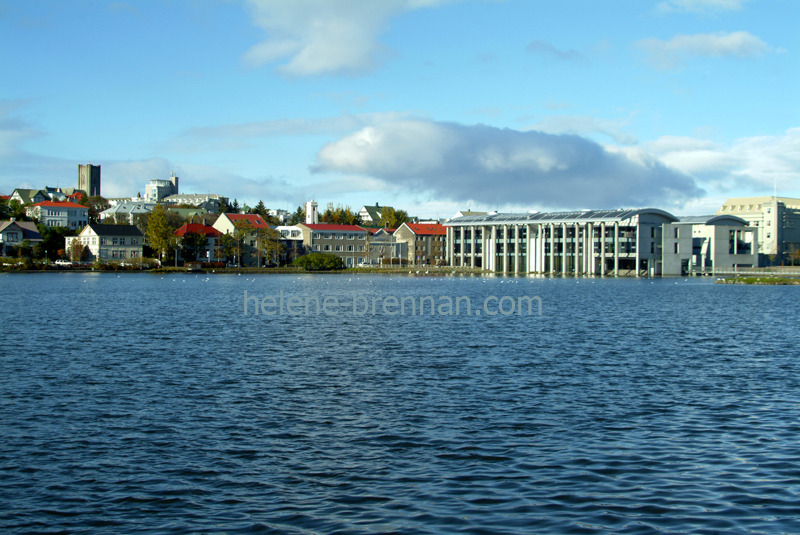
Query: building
{"x":13,"y":233}
{"x":209,"y":252}
{"x":426,"y":242}
{"x":89,"y":179}
{"x":127,"y":211}
{"x":371,"y":215}
{"x":638,"y":242}
{"x":59,"y":214}
{"x":291,"y":238}
{"x":778,"y":223}
{"x":312,"y":214}
{"x":28,"y":196}
{"x":110,"y":242}
{"x":383,"y":248}
{"x":708,"y":244}
{"x":207,"y":201}
{"x":245,"y":228}
{"x":156,"y":189}
{"x":349,"y":242}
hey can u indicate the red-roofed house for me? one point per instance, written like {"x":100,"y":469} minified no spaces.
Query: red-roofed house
{"x":209,"y":252}
{"x":59,"y":214}
{"x":426,"y":242}
{"x":349,"y":242}
{"x":249,"y":252}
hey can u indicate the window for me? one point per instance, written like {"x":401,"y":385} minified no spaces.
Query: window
{"x":102,"y":241}
{"x":122,"y":241}
{"x":676,"y":247}
{"x":316,"y":247}
{"x":134,"y":241}
{"x":326,"y":247}
{"x":350,"y":248}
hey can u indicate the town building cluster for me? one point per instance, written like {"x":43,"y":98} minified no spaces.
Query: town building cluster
{"x":744,"y":232}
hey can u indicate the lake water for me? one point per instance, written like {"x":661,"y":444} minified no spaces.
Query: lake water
{"x":150,"y":403}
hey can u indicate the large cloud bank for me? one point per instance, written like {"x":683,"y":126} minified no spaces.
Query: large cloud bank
{"x":489,"y":165}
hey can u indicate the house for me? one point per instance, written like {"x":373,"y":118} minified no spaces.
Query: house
{"x":110,"y":242}
{"x":383,"y":248}
{"x":426,"y":242}
{"x":59,"y":214}
{"x":291,"y":238}
{"x":127,"y":211}
{"x":28,"y":196}
{"x":13,"y":233}
{"x":245,"y":227}
{"x":371,"y":215}
{"x":209,"y":252}
{"x":349,"y":242}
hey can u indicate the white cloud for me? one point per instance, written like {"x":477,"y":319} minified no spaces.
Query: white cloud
{"x":543,"y":48}
{"x":483,"y":164}
{"x":324,"y":37}
{"x":669,"y":54}
{"x":699,"y":6}
{"x":752,"y":164}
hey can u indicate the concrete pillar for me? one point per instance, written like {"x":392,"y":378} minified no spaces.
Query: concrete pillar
{"x":516,"y":249}
{"x":492,"y":248}
{"x":590,"y":247}
{"x":563,"y":248}
{"x":552,"y":248}
{"x":616,"y":248}
{"x":472,"y":247}
{"x":577,"y":262}
{"x":529,"y":250}
{"x":505,"y":248}
{"x":449,"y":245}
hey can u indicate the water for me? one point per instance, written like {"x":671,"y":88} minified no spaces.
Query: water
{"x":148,"y":403}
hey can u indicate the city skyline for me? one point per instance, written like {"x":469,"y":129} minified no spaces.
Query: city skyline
{"x":427,"y":105}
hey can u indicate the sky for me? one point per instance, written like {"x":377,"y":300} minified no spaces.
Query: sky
{"x":430,"y":106}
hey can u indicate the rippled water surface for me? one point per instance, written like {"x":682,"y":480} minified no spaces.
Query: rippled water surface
{"x":148,"y":403}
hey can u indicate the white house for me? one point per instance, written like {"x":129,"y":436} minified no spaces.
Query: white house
{"x":110,"y":242}
{"x":59,"y":214}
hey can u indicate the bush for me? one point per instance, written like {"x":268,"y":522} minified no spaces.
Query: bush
{"x":319,"y":262}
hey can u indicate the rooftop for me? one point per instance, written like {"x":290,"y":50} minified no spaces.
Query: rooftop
{"x":576,"y":216}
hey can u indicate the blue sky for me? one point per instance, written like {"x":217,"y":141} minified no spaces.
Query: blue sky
{"x":428,"y":105}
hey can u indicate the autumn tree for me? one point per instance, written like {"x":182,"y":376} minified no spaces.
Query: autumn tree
{"x":159,"y":231}
{"x":391,"y":218}
{"x":339,"y":215}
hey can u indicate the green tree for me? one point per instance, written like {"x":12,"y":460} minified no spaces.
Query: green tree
{"x":193,"y":244}
{"x":319,"y":262}
{"x":391,"y":218}
{"x":96,"y":205}
{"x":53,"y":241}
{"x":227,"y":246}
{"x":299,"y":216}
{"x":235,"y":206}
{"x":159,"y":231}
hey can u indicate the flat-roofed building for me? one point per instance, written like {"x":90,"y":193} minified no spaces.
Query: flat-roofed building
{"x":777,"y":220}
{"x":349,"y":242}
{"x":708,"y":244}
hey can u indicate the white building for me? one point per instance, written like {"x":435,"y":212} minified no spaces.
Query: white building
{"x":59,"y":214}
{"x":777,"y":220}
{"x":128,"y":210}
{"x":637,"y":242}
{"x":155,"y":190}
{"x":312,"y":215}
{"x":110,"y":242}
{"x":207,"y":201}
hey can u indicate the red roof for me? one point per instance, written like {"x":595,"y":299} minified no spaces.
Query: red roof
{"x":255,"y":220}
{"x":60,"y":204}
{"x":197,"y":228}
{"x":434,"y":229}
{"x":331,"y":227}
{"x":78,"y":195}
{"x":5,"y":197}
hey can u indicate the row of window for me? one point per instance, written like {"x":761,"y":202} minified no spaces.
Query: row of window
{"x":329,"y":236}
{"x":124,"y":254}
{"x":339,"y":248}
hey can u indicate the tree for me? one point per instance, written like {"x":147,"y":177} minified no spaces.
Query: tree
{"x":223,"y":207}
{"x":192,"y":245}
{"x":159,"y":231}
{"x":299,"y":216}
{"x":77,"y":251}
{"x":140,"y":220}
{"x":96,"y":205}
{"x":53,"y":241}
{"x":227,"y":246}
{"x":391,"y":218}
{"x":235,"y":206}
{"x":319,"y":262}
{"x":340,"y":215}
{"x":261,"y":209}
{"x":17,"y":210}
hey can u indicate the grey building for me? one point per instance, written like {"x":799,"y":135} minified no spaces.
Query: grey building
{"x":89,"y":179}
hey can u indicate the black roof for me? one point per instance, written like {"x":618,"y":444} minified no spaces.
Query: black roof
{"x":115,"y":230}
